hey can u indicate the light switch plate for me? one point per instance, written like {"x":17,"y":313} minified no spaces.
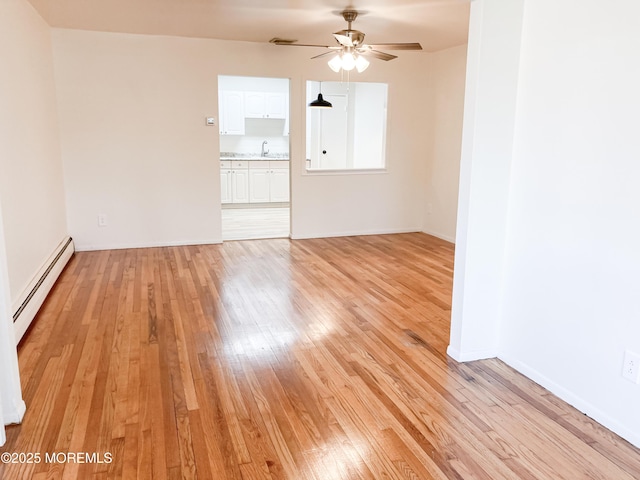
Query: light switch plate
{"x":211,"y":121}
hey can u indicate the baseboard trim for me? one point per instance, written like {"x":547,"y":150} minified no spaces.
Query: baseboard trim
{"x":573,"y":400}
{"x":28,"y":304}
{"x":471,"y":356}
{"x":124,"y":246}
{"x":561,"y":392}
{"x":441,"y":236}
{"x":353,"y":233}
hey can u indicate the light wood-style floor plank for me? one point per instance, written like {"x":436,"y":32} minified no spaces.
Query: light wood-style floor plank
{"x":255,"y":222}
{"x":318,"y":359}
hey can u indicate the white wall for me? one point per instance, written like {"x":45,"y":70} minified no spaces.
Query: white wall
{"x":31,"y":184}
{"x":568,"y":289}
{"x":574,"y":236}
{"x":488,"y":129}
{"x":134,"y":140}
{"x":12,"y":407}
{"x":135,"y":147}
{"x":331,"y":205}
{"x":31,"y":208}
{"x":443,"y":168}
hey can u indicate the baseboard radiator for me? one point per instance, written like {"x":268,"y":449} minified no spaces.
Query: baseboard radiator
{"x":36,"y":293}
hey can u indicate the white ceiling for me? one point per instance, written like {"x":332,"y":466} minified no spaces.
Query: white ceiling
{"x":436,"y":24}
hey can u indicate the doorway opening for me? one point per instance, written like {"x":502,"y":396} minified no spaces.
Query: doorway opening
{"x":254,"y":157}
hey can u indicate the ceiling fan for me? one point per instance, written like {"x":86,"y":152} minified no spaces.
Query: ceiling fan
{"x":351,"y":50}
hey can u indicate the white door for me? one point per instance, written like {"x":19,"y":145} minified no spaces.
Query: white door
{"x":333,"y":133}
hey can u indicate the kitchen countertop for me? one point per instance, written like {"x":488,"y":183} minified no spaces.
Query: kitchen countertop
{"x":253,"y":156}
{"x":255,"y":159}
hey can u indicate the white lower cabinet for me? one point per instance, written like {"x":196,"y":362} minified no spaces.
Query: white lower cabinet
{"x":269,"y":181}
{"x":234,"y":182}
{"x":260,"y":181}
{"x":225,"y":185}
{"x":259,"y":185}
{"x":240,"y":192}
{"x":279,"y":185}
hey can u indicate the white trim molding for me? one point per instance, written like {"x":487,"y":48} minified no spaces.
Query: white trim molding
{"x":29,"y":302}
{"x":470,"y":356}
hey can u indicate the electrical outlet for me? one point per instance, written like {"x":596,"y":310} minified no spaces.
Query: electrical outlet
{"x":102,"y":219}
{"x":631,"y":367}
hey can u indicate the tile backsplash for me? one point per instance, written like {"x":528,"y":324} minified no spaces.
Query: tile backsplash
{"x":257,"y":131}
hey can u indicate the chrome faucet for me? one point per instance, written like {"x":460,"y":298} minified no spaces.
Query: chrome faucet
{"x":263,"y":152}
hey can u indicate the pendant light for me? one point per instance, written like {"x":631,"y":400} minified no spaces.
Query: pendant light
{"x":320,"y":102}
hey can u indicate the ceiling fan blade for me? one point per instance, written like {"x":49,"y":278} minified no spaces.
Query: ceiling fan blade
{"x":343,"y":40}
{"x":322,"y":55}
{"x":374,"y":53}
{"x":286,"y":44}
{"x":397,"y":46}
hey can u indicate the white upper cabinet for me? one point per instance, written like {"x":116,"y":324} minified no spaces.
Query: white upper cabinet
{"x":276,"y":105}
{"x":231,"y":113}
{"x":254,"y":106}
{"x":265,"y":105}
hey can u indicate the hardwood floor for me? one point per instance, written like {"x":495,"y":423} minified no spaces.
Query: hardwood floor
{"x":254,"y":223}
{"x":277,"y":359}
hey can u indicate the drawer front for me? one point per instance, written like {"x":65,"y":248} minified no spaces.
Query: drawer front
{"x":279,"y":164}
{"x":225,"y":164}
{"x":239,"y":164}
{"x":258,"y":164}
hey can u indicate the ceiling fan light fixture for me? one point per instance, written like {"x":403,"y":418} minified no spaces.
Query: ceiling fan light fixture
{"x":320,"y":103}
{"x":335,"y":63}
{"x":361,"y":64}
{"x":351,"y":46}
{"x":348,"y":61}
